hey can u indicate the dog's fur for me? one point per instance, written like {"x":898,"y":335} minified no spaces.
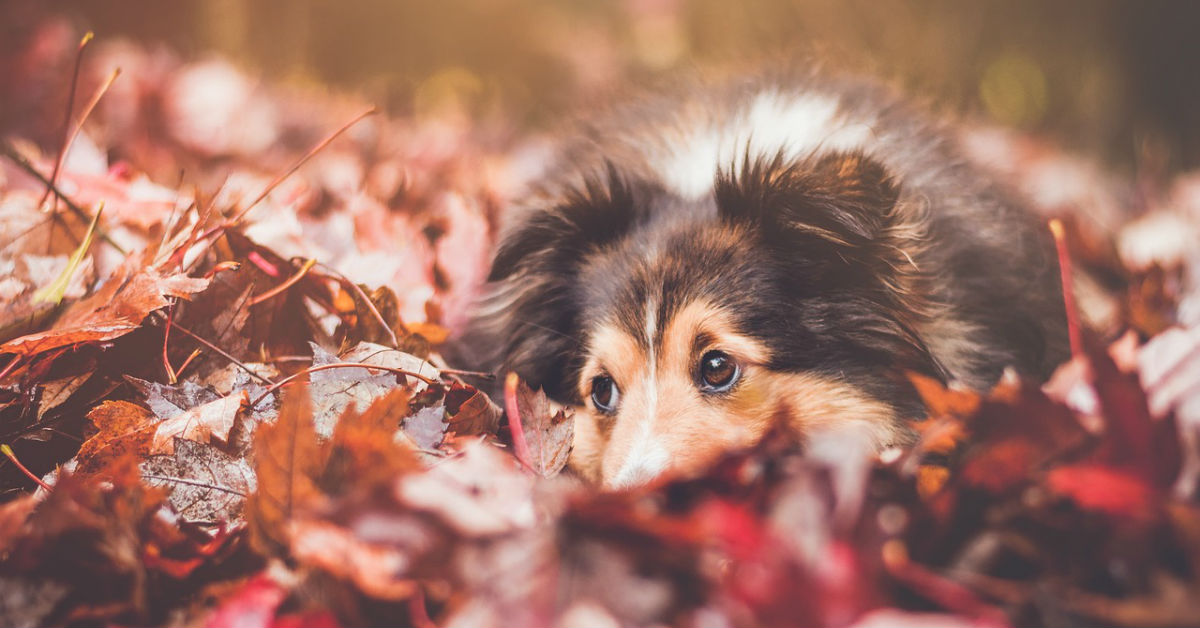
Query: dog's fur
{"x":820,"y":231}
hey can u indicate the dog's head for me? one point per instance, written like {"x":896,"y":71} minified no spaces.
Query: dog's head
{"x":680,"y":329}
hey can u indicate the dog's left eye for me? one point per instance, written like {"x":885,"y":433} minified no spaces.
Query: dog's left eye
{"x":718,"y":372}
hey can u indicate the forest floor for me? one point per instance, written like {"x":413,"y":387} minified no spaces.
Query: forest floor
{"x":222,"y":402}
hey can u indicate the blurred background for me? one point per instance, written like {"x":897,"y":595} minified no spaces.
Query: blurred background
{"x":1111,"y":79}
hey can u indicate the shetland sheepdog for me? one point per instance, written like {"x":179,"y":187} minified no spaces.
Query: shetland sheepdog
{"x":704,"y":264}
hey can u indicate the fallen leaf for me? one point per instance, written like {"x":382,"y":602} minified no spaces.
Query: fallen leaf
{"x":123,"y":428}
{"x":253,"y":605}
{"x":117,"y":308}
{"x":363,"y":451}
{"x":426,"y":428}
{"x":205,"y":483}
{"x":287,"y":461}
{"x":549,"y":433}
{"x":470,"y":412}
{"x":201,"y":424}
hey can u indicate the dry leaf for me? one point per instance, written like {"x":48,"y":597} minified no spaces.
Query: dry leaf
{"x":202,"y":423}
{"x":123,"y":428}
{"x":117,"y":308}
{"x":287,"y":461}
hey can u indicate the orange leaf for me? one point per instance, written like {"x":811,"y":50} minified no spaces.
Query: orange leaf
{"x":124,"y":428}
{"x":117,"y":308}
{"x":287,"y":461}
{"x":941,"y":401}
{"x":363,"y":448}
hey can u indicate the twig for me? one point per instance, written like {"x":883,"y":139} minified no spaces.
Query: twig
{"x":171,"y":378}
{"x":9,"y":151}
{"x":1064,"y":270}
{"x":273,"y":292}
{"x":480,"y":374}
{"x":296,"y":166}
{"x":215,"y":487}
{"x":222,"y":353}
{"x":183,"y":367}
{"x":7,"y":451}
{"x":520,"y":446}
{"x":66,"y":125}
{"x":12,"y":364}
{"x":83,"y":116}
{"x":345,"y":281}
{"x":339,"y":365}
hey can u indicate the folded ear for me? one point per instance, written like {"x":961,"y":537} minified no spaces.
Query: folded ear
{"x":530,"y":313}
{"x":837,"y":225}
{"x":555,"y":237}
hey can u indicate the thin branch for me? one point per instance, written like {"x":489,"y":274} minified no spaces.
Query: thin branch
{"x":291,"y":281}
{"x":296,"y":166}
{"x":66,"y":125}
{"x":83,"y":116}
{"x":222,"y":353}
{"x":480,"y":374}
{"x":345,"y":281}
{"x":7,"y":451}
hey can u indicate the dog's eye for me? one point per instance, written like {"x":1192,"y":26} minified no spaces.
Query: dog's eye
{"x":718,"y":372}
{"x":605,"y":394}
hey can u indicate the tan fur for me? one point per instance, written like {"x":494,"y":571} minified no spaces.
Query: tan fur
{"x":694,"y":428}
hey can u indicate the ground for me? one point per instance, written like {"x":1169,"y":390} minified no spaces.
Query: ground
{"x":222,"y":400}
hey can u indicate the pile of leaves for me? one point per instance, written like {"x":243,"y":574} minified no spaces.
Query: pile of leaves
{"x":221,"y":401}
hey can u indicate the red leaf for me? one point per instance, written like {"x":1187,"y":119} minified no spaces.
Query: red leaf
{"x":1103,"y":489}
{"x":253,"y":606}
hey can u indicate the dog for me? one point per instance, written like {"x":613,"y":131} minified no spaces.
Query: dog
{"x":705,"y":263}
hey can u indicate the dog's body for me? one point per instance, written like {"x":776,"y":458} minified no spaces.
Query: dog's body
{"x":708,"y":263}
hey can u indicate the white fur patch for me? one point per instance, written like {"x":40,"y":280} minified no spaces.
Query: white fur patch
{"x":768,"y":124}
{"x":647,"y":459}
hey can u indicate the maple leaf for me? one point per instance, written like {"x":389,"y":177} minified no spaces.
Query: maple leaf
{"x":205,"y":483}
{"x":548,"y":433}
{"x":123,"y":428}
{"x":287,"y":461}
{"x":363,"y":450}
{"x":252,"y":605}
{"x":117,"y":308}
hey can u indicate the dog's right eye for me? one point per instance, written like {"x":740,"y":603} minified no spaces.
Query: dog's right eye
{"x":605,"y":394}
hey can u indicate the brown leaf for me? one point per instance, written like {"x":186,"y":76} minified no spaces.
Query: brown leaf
{"x":287,"y":461}
{"x":12,"y":519}
{"x":117,"y":308}
{"x":124,"y":428}
{"x":470,"y":412}
{"x":202,"y":423}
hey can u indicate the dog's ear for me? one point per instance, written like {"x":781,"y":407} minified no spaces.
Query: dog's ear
{"x":838,"y":223}
{"x":530,"y":315}
{"x":560,"y":234}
